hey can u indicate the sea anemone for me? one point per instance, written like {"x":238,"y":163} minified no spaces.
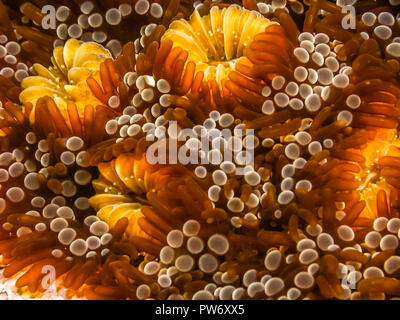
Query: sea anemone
{"x":300,"y":201}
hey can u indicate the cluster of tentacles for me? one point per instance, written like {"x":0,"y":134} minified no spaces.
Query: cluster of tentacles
{"x":85,"y":213}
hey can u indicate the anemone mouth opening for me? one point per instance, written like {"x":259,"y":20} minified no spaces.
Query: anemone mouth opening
{"x":372,"y":176}
{"x":215,"y":42}
{"x":66,"y":81}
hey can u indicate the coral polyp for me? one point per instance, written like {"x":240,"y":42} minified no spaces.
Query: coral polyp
{"x":214,"y":42}
{"x":66,"y":80}
{"x":200,"y":150}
